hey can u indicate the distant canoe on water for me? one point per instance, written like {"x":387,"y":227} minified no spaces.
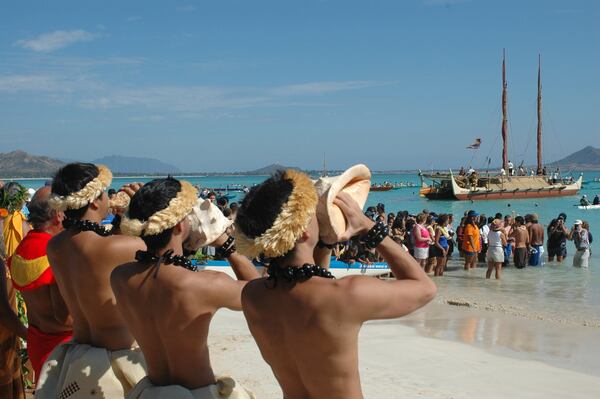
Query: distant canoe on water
{"x":505,"y":185}
{"x":381,"y":188}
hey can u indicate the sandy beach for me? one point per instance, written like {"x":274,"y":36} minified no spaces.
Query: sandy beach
{"x":398,"y":360}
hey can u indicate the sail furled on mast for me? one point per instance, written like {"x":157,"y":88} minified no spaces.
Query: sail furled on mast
{"x":504,"y":112}
{"x":539,"y":118}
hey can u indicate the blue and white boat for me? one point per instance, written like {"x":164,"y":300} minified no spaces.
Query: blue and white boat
{"x":338,"y":268}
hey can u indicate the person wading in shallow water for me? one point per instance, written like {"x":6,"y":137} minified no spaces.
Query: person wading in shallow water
{"x":521,"y":237}
{"x":305,"y":322}
{"x":471,"y":242}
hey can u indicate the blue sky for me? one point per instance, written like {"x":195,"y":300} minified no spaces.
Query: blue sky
{"x":235,"y":85}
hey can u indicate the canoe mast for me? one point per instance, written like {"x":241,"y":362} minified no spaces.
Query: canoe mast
{"x":504,"y":121}
{"x":539,"y":117}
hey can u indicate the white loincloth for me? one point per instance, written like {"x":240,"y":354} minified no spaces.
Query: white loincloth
{"x":225,"y":388}
{"x":74,"y":371}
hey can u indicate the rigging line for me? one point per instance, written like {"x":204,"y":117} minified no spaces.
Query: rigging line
{"x":510,"y":130}
{"x":554,"y":132}
{"x":493,"y":146}
{"x":529,"y":135}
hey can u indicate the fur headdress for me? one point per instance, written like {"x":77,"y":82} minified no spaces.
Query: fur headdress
{"x":86,"y":195}
{"x":179,"y":207}
{"x":288,"y":226}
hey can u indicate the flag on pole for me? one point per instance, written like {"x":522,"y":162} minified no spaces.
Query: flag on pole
{"x":475,"y":145}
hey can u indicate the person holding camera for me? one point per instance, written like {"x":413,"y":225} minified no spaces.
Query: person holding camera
{"x":558,"y":233}
{"x":580,"y":236}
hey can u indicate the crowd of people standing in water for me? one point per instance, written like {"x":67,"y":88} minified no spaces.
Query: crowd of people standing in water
{"x":498,"y":241}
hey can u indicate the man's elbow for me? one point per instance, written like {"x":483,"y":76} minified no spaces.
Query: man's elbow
{"x":428,"y":292}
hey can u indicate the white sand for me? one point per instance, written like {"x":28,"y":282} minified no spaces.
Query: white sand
{"x":396,"y":362}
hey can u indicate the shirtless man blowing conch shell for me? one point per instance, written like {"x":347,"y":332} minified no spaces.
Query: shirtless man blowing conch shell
{"x":167,"y":304}
{"x":306,"y":323}
{"x":102,"y":359}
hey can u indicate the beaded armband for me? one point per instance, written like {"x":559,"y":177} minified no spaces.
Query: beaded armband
{"x":375,"y":235}
{"x":227,"y":249}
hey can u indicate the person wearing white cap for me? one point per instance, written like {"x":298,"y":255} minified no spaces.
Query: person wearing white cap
{"x":581,"y":239}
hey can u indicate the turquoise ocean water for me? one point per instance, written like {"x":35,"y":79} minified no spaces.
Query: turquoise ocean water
{"x":408,"y":198}
{"x":573,"y":293}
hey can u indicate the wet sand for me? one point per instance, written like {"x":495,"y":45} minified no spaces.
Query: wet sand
{"x":475,"y":354}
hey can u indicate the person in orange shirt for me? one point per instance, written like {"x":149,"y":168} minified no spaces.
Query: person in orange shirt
{"x":471,"y":244}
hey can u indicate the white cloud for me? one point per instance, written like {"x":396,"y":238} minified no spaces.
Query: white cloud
{"x":52,"y":41}
{"x":87,"y":92}
{"x":318,"y":88}
{"x":20,"y":83}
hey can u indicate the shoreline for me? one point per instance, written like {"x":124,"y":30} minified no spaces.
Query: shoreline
{"x":395,"y":360}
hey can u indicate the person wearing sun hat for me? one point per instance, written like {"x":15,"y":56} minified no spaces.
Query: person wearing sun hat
{"x":295,"y":313}
{"x":102,"y":358}
{"x":581,"y":238}
{"x":162,"y":286}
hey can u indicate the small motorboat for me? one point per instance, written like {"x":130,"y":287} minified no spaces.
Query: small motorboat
{"x":588,"y":207}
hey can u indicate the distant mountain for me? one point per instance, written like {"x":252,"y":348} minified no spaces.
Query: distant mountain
{"x":135,"y":165}
{"x":269,"y":170}
{"x":21,"y":164}
{"x":585,"y":159}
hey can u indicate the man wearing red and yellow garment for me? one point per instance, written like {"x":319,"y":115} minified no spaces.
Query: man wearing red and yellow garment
{"x":49,"y":320}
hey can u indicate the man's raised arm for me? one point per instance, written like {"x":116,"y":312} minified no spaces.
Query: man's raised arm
{"x":370,"y":298}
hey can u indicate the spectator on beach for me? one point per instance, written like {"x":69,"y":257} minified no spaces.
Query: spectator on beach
{"x":234,"y":207}
{"x":557,"y":240}
{"x":472,"y":241}
{"x":11,"y":328}
{"x":536,"y":240}
{"x":495,"y":253}
{"x":440,"y":247}
{"x":484,"y":229}
{"x":48,"y":317}
{"x":421,"y":239}
{"x":451,"y":234}
{"x":580,"y":236}
{"x":430,"y":225}
{"x":212,"y":196}
{"x":521,"y":237}
{"x":12,"y":198}
{"x":510,"y":243}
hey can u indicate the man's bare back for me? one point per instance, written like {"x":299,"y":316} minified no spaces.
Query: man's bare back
{"x":308,"y":331}
{"x":521,"y":236}
{"x":307,"y":336}
{"x":82,"y":263}
{"x":536,"y":234}
{"x":169,"y":314}
{"x":168,"y":308}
